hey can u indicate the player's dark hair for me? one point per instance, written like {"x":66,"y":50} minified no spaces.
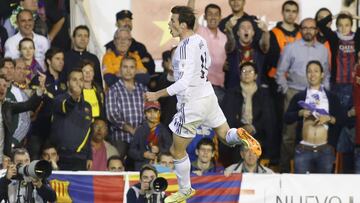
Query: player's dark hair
{"x":186,"y":15}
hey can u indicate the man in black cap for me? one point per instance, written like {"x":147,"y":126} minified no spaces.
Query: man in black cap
{"x":124,"y":19}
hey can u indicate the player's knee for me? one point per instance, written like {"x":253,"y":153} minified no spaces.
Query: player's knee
{"x":177,"y":154}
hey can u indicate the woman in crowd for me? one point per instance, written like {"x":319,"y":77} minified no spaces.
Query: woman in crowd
{"x":27,"y":53}
{"x":92,"y":92}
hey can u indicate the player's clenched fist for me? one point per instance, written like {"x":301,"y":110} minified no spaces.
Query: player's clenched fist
{"x":151,"y":96}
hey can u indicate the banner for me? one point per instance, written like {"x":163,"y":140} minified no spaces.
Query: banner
{"x":211,"y":188}
{"x":244,"y":188}
{"x":326,"y":188}
{"x":104,"y":187}
{"x":87,"y":188}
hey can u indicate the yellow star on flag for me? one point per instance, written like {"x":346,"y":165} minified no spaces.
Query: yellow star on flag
{"x":166,"y":36}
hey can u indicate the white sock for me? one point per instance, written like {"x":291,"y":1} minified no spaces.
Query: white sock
{"x":182,"y":171}
{"x":232,"y":137}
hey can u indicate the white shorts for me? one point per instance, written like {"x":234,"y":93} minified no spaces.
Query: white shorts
{"x":205,"y":111}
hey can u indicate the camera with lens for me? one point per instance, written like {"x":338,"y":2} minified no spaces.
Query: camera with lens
{"x":38,"y":169}
{"x":159,"y":184}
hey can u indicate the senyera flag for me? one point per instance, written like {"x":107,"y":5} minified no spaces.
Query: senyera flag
{"x":88,"y":188}
{"x":212,"y":188}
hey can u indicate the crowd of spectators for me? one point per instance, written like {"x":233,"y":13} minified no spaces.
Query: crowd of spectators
{"x":294,"y":87}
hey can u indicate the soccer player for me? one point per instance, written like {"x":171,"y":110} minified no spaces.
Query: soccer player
{"x":197,"y":103}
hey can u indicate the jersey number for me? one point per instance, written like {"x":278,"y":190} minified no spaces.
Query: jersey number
{"x":203,"y":65}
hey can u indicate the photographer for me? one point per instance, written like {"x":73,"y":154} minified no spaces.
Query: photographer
{"x":10,"y":191}
{"x":143,"y":192}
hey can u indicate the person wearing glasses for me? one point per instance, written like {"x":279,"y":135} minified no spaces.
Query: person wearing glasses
{"x":293,"y":62}
{"x":249,"y":106}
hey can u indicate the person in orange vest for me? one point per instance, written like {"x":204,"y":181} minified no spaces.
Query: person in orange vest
{"x":111,"y":61}
{"x":285,"y":32}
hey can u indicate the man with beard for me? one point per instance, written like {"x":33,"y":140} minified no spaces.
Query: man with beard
{"x":293,"y":62}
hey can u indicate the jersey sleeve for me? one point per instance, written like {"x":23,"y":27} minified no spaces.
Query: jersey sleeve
{"x":187,"y":69}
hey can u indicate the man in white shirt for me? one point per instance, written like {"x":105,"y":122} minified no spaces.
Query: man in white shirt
{"x":197,"y":102}
{"x":25,"y":22}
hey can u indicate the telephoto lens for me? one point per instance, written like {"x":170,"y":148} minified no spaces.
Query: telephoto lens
{"x":159,"y":184}
{"x":36,"y":169}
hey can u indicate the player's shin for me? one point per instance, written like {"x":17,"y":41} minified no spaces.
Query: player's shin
{"x":182,"y":171}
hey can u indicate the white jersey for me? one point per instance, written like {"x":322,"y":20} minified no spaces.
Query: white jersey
{"x":191,"y":62}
